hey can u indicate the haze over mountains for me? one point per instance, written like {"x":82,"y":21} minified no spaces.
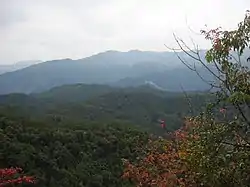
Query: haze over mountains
{"x":161,"y":69}
{"x":18,"y":65}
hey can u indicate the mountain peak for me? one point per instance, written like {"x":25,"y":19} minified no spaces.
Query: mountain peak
{"x":134,"y":51}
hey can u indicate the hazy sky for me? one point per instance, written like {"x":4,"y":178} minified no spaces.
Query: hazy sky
{"x":52,"y":29}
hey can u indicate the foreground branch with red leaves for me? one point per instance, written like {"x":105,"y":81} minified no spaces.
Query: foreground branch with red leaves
{"x":10,"y":176}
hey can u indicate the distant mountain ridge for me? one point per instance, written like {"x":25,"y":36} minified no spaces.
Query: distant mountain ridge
{"x":170,"y":80}
{"x":104,"y":68}
{"x":17,"y":66}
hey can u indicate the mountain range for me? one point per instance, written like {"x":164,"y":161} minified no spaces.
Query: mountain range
{"x":123,"y":69}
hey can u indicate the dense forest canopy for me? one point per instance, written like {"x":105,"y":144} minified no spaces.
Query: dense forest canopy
{"x":86,"y":156}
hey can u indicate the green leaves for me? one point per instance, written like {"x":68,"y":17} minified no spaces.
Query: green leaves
{"x":219,"y":158}
{"x":209,"y":56}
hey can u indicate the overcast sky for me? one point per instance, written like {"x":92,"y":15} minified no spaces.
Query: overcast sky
{"x":52,"y":29}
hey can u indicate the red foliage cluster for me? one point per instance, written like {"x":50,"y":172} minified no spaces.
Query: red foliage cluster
{"x":10,"y":176}
{"x":216,"y":37}
{"x":163,"y":168}
{"x":212,"y":34}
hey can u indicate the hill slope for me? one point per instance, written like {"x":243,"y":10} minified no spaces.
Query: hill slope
{"x":75,"y":104}
{"x":171,"y":80}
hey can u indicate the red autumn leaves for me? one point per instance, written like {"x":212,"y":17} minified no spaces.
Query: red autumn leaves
{"x":215,"y":35}
{"x":163,"y":168}
{"x":163,"y":124}
{"x":10,"y":176}
{"x":223,"y":110}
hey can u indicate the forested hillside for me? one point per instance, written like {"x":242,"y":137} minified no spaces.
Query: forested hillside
{"x":74,"y":104}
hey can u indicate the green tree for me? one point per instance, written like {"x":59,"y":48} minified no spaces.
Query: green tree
{"x":213,"y":148}
{"x":221,"y":156}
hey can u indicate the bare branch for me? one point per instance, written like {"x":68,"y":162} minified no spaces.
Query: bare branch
{"x":188,"y":100}
{"x":237,"y":145}
{"x":182,"y":60}
{"x":185,"y":51}
{"x":191,"y":29}
{"x":198,"y":58}
{"x":204,"y":80}
{"x":217,"y":67}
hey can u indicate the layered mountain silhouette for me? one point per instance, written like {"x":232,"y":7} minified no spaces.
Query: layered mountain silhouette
{"x":113,"y":68}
